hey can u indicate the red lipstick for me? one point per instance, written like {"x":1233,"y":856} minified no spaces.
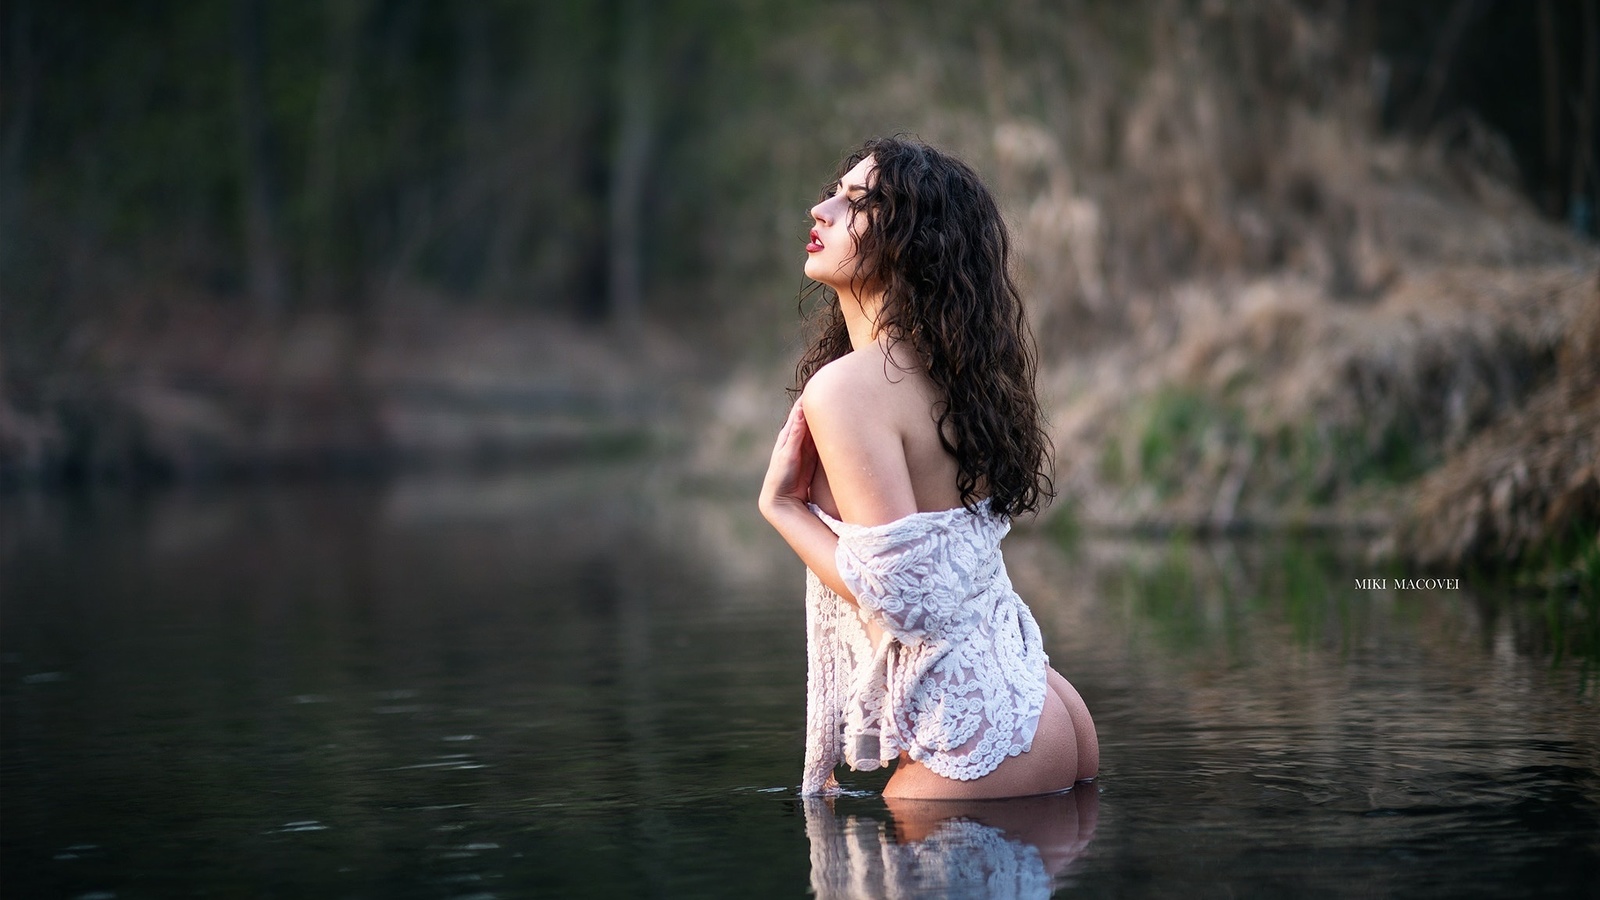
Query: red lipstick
{"x":816,"y":242}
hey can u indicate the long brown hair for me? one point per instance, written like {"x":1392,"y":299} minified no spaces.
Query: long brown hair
{"x":936,"y":244}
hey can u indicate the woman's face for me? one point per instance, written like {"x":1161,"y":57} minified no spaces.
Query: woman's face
{"x":831,"y":251}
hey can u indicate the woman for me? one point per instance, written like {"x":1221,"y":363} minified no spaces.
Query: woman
{"x":916,"y":438}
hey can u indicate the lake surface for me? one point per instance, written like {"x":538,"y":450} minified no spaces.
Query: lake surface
{"x":589,"y":682}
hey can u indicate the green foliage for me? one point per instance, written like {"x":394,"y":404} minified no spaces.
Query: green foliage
{"x":1565,"y":573}
{"x":1180,"y":429}
{"x":1111,"y":466}
{"x":1184,"y":436}
{"x":1552,"y":596}
{"x":1064,"y":527}
{"x":469,"y":151}
{"x":463,"y":147}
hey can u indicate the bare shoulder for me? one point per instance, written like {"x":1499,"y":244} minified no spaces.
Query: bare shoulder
{"x":855,"y":410}
{"x":871,"y":416}
{"x":864,"y":380}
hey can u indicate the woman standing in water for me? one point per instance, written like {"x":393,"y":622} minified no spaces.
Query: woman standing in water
{"x":916,"y":438}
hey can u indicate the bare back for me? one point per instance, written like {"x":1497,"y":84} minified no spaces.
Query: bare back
{"x":872,"y":416}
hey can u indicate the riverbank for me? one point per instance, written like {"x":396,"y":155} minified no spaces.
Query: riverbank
{"x":191,"y":391}
{"x":1272,"y":401}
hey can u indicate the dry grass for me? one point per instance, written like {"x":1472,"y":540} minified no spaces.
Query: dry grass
{"x":1266,"y":312}
{"x":1530,"y":482}
{"x":1276,"y":404}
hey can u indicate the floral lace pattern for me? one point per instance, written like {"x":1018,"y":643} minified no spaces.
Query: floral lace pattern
{"x":956,"y":674}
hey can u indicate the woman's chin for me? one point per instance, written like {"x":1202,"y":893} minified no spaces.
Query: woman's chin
{"x":821,"y":275}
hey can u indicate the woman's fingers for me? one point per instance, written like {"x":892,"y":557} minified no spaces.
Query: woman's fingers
{"x":789,"y":424}
{"x":794,"y":426}
{"x":793,"y":459}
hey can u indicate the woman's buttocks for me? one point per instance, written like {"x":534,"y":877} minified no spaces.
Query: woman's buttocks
{"x":1051,"y":764}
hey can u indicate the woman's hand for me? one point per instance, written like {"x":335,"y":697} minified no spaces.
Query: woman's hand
{"x":794,"y":462}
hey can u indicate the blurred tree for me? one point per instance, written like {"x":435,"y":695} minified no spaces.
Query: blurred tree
{"x":263,"y":256}
{"x":626,"y":159}
{"x":630,"y":161}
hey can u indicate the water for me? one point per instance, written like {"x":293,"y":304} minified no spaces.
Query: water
{"x":589,"y":683}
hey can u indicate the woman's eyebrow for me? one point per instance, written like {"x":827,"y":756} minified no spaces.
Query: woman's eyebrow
{"x":855,"y":187}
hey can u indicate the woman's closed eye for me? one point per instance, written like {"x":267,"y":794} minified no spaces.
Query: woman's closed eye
{"x":854,"y":194}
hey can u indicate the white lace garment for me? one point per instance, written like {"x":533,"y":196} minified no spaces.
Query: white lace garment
{"x":942,"y":660}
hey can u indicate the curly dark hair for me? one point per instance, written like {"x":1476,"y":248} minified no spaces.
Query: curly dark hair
{"x":936,"y":244}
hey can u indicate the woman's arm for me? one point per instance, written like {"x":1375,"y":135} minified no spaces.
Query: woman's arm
{"x":784,"y":497}
{"x":841,"y":422}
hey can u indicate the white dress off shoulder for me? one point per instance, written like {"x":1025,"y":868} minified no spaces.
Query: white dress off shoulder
{"x":956,"y":676}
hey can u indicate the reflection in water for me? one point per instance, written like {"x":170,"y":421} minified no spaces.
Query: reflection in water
{"x":1015,"y":848}
{"x":585,"y":682}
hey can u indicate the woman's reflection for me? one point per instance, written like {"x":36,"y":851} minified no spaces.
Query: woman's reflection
{"x":946,"y":848}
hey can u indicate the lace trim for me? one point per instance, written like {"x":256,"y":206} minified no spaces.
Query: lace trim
{"x":957,"y":681}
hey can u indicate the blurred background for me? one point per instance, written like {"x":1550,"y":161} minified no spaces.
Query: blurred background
{"x":1310,"y":264}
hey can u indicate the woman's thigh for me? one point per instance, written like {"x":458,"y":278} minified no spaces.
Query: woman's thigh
{"x":1051,"y":765}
